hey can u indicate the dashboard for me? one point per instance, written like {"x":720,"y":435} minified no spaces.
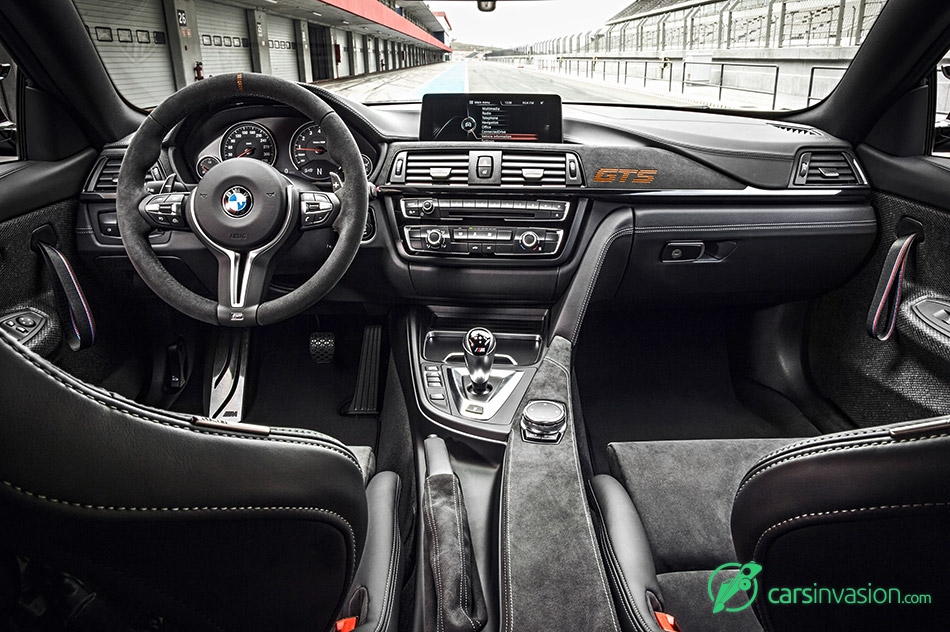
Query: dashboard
{"x":665,"y":205}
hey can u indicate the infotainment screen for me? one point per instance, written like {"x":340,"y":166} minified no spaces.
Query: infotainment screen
{"x":531,"y":118}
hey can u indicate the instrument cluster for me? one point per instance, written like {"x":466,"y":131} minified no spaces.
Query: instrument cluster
{"x":293,"y":146}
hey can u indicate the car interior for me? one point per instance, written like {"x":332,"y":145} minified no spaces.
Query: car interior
{"x":448,"y":382}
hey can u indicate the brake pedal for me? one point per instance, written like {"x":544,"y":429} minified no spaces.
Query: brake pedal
{"x":322,"y":346}
{"x":367,"y":379}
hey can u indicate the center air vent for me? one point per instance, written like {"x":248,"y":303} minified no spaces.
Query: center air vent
{"x":437,"y":169}
{"x":526,"y":169}
{"x":827,"y":169}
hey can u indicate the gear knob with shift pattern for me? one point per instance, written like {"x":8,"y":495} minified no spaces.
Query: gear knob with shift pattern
{"x":478,"y":346}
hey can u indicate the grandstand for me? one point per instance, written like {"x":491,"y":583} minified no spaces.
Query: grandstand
{"x":739,"y":53}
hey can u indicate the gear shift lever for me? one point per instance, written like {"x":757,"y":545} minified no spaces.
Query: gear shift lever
{"x":479,"y":348}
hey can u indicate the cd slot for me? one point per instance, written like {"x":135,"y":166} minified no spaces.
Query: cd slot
{"x":498,"y":208}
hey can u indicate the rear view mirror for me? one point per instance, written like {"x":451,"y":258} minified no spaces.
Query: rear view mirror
{"x":945,"y":70}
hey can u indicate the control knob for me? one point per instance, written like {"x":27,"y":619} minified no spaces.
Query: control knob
{"x":434,"y":239}
{"x":529,"y":240}
{"x":427,"y":207}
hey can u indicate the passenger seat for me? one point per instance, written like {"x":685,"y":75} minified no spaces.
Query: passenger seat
{"x":863,"y":508}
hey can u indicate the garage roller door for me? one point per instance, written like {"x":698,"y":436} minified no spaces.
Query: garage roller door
{"x":132,"y":41}
{"x":225,"y":46}
{"x":283,"y":43}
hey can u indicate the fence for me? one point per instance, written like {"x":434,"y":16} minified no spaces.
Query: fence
{"x":723,"y":24}
{"x":736,"y":84}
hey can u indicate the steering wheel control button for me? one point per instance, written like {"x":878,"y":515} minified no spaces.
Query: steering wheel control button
{"x":315,"y":209}
{"x":543,"y":421}
{"x":237,"y":201}
{"x":163,"y":211}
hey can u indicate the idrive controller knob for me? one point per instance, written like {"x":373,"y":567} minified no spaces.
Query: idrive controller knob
{"x":543,"y":421}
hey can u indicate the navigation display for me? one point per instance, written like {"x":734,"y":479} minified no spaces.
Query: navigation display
{"x":529,"y":118}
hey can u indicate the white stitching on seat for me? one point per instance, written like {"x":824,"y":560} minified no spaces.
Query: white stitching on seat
{"x":836,"y":512}
{"x":389,"y":597}
{"x":67,"y":503}
{"x":182,"y":425}
{"x":883,"y":441}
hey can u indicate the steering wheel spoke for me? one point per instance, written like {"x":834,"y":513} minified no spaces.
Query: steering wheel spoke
{"x":242,"y":282}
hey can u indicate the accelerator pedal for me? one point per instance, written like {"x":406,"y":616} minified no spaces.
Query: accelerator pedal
{"x":322,"y":346}
{"x":366,"y":395}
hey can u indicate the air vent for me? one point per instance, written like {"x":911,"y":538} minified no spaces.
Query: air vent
{"x":801,"y":131}
{"x":526,"y":169}
{"x":106,"y":176}
{"x":437,"y":169}
{"x":104,"y":179}
{"x":827,"y":169}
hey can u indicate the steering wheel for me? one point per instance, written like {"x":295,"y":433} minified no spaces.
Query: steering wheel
{"x":243,"y":211}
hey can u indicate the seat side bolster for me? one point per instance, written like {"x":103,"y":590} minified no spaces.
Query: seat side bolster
{"x":627,"y":554}
{"x":381,"y":567}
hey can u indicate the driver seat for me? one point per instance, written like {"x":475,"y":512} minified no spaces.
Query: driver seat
{"x":202,"y":526}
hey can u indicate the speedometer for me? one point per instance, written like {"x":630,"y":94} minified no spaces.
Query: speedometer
{"x":309,"y":152}
{"x":248,"y":140}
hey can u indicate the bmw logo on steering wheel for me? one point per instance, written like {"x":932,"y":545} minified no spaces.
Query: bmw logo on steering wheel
{"x":237,"y":201}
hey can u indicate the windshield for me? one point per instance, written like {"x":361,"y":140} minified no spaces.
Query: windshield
{"x":754,"y":54}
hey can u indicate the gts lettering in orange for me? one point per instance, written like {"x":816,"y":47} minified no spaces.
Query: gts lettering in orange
{"x":625,"y":176}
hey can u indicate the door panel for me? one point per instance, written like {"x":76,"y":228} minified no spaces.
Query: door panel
{"x":908,"y":376}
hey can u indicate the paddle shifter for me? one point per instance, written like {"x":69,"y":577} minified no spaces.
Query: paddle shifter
{"x":479,"y":348}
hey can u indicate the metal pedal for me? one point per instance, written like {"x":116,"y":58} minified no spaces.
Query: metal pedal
{"x":322,"y":346}
{"x":367,"y":379}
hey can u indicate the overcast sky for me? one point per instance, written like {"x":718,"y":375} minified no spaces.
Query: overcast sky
{"x":516,"y":22}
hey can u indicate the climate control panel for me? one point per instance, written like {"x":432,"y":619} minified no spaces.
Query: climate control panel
{"x":483,"y":240}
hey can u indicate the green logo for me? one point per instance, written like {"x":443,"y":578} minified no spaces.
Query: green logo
{"x":728,"y":588}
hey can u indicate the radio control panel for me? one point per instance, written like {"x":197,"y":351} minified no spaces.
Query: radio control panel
{"x":483,"y":240}
{"x":484,"y":227}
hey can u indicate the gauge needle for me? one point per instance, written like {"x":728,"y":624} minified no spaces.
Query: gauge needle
{"x":246,"y":152}
{"x":318,"y":150}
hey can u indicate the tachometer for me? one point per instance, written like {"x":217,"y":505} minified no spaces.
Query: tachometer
{"x":248,"y":140}
{"x":309,"y":152}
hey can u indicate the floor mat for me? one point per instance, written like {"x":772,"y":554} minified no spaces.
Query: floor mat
{"x":291,"y":390}
{"x":286,"y":388}
{"x":665,"y":376}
